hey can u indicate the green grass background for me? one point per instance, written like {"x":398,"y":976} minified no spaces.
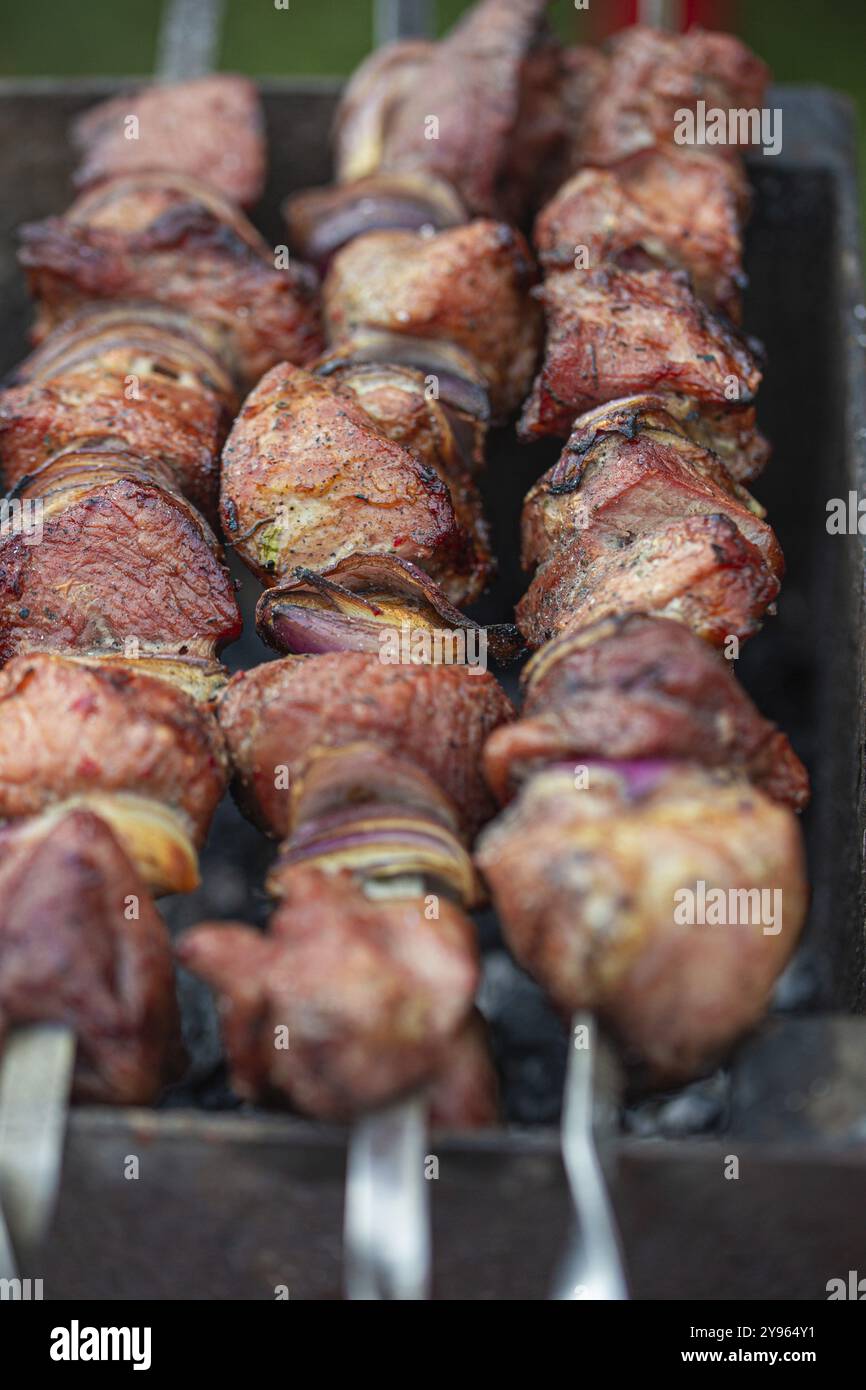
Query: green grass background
{"x":803,"y":41}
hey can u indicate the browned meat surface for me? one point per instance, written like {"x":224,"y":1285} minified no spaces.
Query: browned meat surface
{"x":583,"y":73}
{"x":493,"y":85}
{"x":638,"y":688}
{"x":611,"y":486}
{"x":122,"y":561}
{"x":650,"y":76}
{"x":82,"y":944}
{"x":700,"y":570}
{"x":370,"y":993}
{"x":435,"y":716}
{"x":369,"y":101}
{"x":67,"y":727}
{"x":466,"y":289}
{"x":396,"y":400}
{"x":149,"y":416}
{"x":172,"y":240}
{"x":591,"y":887}
{"x":211,"y":127}
{"x":464,"y":1094}
{"x":614,"y":332}
{"x":308,"y":479}
{"x":680,"y":207}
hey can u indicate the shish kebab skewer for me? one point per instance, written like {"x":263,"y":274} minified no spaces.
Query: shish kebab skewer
{"x":686,"y":783}
{"x":111,"y":763}
{"x":266,"y":479}
{"x":728,"y":572}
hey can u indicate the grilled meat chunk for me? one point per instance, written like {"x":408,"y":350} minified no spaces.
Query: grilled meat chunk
{"x":437,"y":717}
{"x":396,"y":400}
{"x":122,"y":564}
{"x":461,"y":292}
{"x":211,"y":127}
{"x":613,"y":332}
{"x":616,"y":481}
{"x":371,"y":97}
{"x":60,"y":722}
{"x":370,"y":993}
{"x":700,"y":570}
{"x":494,"y":84}
{"x":82,"y":944}
{"x":183,"y":429}
{"x":640,"y":688}
{"x":593,"y":888}
{"x":676,"y":207}
{"x":650,"y":76}
{"x":308,"y":479}
{"x":171,"y":239}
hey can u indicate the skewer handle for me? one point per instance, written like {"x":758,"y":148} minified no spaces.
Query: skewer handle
{"x":661,"y":14}
{"x":402,"y":19}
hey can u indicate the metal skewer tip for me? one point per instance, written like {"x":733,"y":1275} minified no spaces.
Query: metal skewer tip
{"x":592,"y":1267}
{"x":386,"y":1231}
{"x":35,"y":1082}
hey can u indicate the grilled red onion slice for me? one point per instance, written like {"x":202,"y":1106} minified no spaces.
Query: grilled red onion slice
{"x":379,"y":841}
{"x":356,"y":774}
{"x":364,"y":601}
{"x":89,"y":207}
{"x":167,"y":342}
{"x":321,"y":220}
{"x":460,"y":384}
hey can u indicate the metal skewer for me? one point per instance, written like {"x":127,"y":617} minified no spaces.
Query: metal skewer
{"x":592,"y":1267}
{"x":386,"y":1227}
{"x":35,"y":1082}
{"x":660,"y":14}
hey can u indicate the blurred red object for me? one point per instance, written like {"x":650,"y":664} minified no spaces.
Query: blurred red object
{"x":709,"y":14}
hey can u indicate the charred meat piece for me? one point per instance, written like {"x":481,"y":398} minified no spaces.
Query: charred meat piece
{"x":463,"y":292}
{"x":171,"y":239}
{"x":396,"y":399}
{"x":650,"y":76}
{"x":731,"y":436}
{"x":640,"y":688}
{"x":82,"y":944}
{"x":613,"y":485}
{"x":369,"y":101}
{"x":308,"y":479}
{"x":145,"y":415}
{"x":680,"y":208}
{"x":369,"y":994}
{"x":666,"y":898}
{"x":71,"y":727}
{"x":211,"y":127}
{"x":121,"y":563}
{"x":321,"y":220}
{"x":614,"y":332}
{"x":700,"y":570}
{"x":437,"y":717}
{"x":492,"y":85}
